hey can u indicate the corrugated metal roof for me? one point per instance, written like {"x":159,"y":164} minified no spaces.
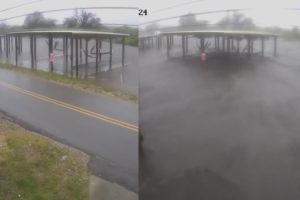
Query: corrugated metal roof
{"x":75,"y":33}
{"x":220,"y":32}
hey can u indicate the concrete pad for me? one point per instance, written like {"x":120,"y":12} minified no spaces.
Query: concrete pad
{"x":101,"y":189}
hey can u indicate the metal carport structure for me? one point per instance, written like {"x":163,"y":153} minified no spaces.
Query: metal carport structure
{"x":71,"y":39}
{"x":225,"y":41}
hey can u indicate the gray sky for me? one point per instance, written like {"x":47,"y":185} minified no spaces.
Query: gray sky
{"x":107,"y":16}
{"x":263,"y":13}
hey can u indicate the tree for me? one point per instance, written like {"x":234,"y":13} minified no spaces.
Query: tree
{"x":3,"y":27}
{"x":202,"y":23}
{"x":293,"y":33}
{"x":132,"y":39}
{"x":37,"y":20}
{"x":71,"y":22}
{"x":190,"y":20}
{"x":83,"y":20}
{"x":89,"y":20}
{"x":236,"y":21}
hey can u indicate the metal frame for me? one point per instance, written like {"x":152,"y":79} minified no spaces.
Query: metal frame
{"x":72,"y":36}
{"x":227,"y":44}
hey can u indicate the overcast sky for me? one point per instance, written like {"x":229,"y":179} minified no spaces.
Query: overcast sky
{"x":107,"y":16}
{"x":263,"y":12}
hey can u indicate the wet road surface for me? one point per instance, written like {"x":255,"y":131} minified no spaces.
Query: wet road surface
{"x":90,"y":122}
{"x":226,"y":129}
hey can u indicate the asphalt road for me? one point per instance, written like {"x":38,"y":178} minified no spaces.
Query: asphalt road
{"x":102,"y":126}
{"x":225,"y":129}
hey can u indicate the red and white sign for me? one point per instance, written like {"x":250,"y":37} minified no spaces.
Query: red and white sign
{"x":203,"y":57}
{"x":51,"y":57}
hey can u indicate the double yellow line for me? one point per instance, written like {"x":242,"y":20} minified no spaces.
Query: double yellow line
{"x":73,"y":108}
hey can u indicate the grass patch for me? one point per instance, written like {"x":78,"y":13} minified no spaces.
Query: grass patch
{"x":87,"y":85}
{"x":33,"y":167}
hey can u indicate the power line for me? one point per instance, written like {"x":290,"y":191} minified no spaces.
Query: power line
{"x":66,"y":9}
{"x":291,"y":8}
{"x":20,"y":5}
{"x":200,"y":13}
{"x":174,"y":6}
{"x":106,"y":24}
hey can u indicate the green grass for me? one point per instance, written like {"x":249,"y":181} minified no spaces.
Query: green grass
{"x":87,"y":85}
{"x":33,"y":167}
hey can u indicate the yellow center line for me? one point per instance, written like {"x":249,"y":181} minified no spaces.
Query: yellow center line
{"x":72,"y":107}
